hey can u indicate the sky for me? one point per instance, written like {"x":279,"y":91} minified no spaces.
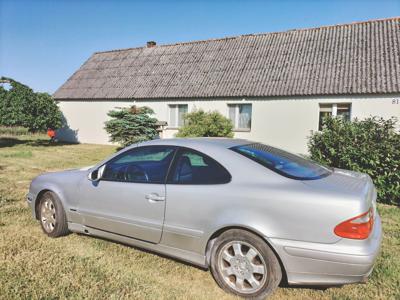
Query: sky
{"x":43,"y":42}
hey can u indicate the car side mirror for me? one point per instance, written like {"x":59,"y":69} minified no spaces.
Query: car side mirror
{"x":97,"y":174}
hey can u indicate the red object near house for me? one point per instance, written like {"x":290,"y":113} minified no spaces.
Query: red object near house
{"x":51,"y":133}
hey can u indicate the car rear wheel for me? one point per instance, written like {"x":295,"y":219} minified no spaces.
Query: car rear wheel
{"x":52,"y":215}
{"x":243,"y":264}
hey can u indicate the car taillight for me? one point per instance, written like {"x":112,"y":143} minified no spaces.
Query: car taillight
{"x":358,"y":227}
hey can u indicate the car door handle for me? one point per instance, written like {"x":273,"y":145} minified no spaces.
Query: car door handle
{"x":153,"y":197}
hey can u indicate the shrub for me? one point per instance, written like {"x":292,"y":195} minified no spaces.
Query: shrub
{"x":370,"y":146}
{"x":20,"y":106}
{"x":208,"y":124}
{"x":131,"y":125}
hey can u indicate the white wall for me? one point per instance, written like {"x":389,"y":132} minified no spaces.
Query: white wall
{"x":283,"y":122}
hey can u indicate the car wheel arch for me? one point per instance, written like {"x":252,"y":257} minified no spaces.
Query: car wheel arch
{"x":40,"y":195}
{"x":218,"y":232}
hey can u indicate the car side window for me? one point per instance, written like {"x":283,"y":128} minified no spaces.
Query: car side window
{"x":193,"y":167}
{"x":147,"y":164}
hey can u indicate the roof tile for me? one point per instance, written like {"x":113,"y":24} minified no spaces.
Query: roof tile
{"x":357,"y":58}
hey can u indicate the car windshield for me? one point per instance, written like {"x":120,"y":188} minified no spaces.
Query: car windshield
{"x":282,"y":162}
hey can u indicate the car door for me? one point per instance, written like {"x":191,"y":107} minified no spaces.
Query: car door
{"x":129,"y":199}
{"x":197,"y":188}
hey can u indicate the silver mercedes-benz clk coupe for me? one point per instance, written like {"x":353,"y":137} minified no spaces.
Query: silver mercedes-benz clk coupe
{"x":252,"y":213}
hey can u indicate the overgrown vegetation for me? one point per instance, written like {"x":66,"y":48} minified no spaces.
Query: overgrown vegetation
{"x":33,"y":266}
{"x":13,"y":130}
{"x":21,"y":106}
{"x":205,"y":124}
{"x":131,"y":125}
{"x":370,"y":146}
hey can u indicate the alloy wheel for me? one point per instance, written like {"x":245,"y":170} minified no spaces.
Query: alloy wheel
{"x":242,"y":267}
{"x":48,"y":215}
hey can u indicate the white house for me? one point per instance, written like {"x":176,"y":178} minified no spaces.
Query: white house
{"x":275,"y":87}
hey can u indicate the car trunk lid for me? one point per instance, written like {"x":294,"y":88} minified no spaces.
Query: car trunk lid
{"x":349,"y":184}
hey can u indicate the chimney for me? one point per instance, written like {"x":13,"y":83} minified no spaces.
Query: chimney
{"x":151,"y":44}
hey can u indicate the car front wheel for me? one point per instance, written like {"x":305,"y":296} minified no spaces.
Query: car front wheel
{"x":243,"y":264}
{"x":52,"y":215}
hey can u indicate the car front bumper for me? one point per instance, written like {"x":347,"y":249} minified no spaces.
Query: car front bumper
{"x":343,"y":262}
{"x":30,"y":199}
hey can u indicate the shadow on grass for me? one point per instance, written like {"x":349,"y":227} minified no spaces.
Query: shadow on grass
{"x":12,"y":141}
{"x":283,"y":284}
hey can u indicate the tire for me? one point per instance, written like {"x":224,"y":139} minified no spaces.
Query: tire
{"x":52,"y":216}
{"x":243,"y":264}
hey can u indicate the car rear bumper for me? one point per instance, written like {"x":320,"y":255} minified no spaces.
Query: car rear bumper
{"x":346,"y":261}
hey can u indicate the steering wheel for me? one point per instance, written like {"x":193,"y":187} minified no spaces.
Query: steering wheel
{"x":136,"y":173}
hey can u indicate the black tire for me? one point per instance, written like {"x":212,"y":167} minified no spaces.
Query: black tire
{"x":265,"y":257}
{"x":60,"y":226}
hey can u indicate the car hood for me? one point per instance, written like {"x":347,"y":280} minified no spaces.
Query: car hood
{"x":84,"y":168}
{"x":64,"y":175}
{"x":67,"y":181}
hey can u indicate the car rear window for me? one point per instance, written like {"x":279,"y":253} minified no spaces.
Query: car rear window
{"x":282,"y":162}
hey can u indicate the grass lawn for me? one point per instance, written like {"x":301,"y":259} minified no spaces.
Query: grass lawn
{"x":76,"y":266}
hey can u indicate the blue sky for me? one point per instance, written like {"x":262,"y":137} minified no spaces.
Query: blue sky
{"x":43,"y":42}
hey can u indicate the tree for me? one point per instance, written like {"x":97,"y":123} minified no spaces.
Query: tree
{"x":20,"y":106}
{"x":369,"y":146}
{"x":208,"y":124}
{"x":131,"y":125}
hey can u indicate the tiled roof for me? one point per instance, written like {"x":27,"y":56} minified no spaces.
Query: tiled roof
{"x":357,"y":58}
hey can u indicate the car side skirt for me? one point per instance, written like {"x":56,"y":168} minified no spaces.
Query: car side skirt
{"x":183,"y":255}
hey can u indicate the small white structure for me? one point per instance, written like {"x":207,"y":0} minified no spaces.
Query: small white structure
{"x":275,"y":87}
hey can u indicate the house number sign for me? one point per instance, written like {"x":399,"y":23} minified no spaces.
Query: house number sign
{"x":396,"y":101}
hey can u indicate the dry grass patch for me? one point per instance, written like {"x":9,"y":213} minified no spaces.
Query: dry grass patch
{"x":33,"y":266}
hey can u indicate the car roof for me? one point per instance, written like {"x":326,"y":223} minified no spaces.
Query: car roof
{"x":198,"y":142}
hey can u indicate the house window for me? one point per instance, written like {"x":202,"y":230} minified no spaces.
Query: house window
{"x":240,"y":115}
{"x":176,"y":114}
{"x":341,"y":110}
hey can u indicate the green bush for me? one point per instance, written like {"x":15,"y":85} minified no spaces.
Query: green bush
{"x":370,"y":146}
{"x":13,"y":131}
{"x":20,"y":106}
{"x":209,"y":124}
{"x":131,"y":125}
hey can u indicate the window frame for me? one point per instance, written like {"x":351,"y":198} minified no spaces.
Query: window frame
{"x":235,"y":122}
{"x":172,"y":167}
{"x":334,"y":110}
{"x":175,"y":148}
{"x":176,"y":105}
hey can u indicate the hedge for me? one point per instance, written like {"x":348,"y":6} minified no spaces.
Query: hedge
{"x":370,"y":146}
